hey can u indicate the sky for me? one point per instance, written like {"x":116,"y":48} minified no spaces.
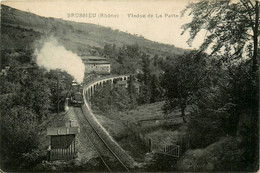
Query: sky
{"x":155,"y":20}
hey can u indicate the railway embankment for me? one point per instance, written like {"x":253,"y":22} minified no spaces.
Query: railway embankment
{"x":117,"y":149}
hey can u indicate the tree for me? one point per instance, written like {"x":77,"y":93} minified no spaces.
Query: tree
{"x":150,"y":90}
{"x":102,"y":98}
{"x":35,"y":94}
{"x":182,"y":79}
{"x":132,"y":91}
{"x":156,"y":93}
{"x":110,"y":99}
{"x":19,"y":137}
{"x":110,"y":50}
{"x":228,"y":25}
{"x":128,"y":58}
{"x":59,"y":83}
{"x":232,"y":28}
{"x":26,"y":95}
{"x":145,"y":80}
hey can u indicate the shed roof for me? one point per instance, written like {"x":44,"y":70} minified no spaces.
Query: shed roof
{"x":62,"y":131}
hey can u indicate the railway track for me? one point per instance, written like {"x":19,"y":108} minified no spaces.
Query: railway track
{"x":110,"y":159}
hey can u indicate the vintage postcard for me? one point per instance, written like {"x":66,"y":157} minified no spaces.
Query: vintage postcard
{"x":129,"y":86}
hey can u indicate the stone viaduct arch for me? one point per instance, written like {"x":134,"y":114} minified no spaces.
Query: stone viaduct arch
{"x":89,"y":89}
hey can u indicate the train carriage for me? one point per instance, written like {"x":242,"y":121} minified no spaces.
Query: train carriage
{"x":76,"y":97}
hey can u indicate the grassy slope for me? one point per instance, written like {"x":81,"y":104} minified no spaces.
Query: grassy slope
{"x":21,"y":29}
{"x":164,"y":132}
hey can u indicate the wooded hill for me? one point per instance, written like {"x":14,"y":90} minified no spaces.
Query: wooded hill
{"x":20,"y":29}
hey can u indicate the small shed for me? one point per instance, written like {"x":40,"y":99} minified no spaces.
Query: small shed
{"x":62,"y":142}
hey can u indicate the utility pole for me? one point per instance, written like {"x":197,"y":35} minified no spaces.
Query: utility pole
{"x":58,"y":91}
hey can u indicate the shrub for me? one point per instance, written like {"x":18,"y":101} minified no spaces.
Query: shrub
{"x":18,"y":137}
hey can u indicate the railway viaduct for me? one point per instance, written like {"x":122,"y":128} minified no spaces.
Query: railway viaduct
{"x":88,"y":91}
{"x":90,"y":88}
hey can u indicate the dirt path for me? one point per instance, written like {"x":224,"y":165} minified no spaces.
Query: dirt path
{"x":85,"y":152}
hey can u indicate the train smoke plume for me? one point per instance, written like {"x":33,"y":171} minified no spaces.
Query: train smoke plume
{"x":52,"y":56}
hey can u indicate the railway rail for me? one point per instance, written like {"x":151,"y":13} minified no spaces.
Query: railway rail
{"x":110,"y":159}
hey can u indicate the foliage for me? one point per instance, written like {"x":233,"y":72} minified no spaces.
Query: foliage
{"x":183,"y":79}
{"x":8,"y":87}
{"x":132,"y":92}
{"x":35,"y":96}
{"x":239,"y":87}
{"x":18,"y":136}
{"x":27,"y":96}
{"x":128,"y":57}
{"x":156,"y":88}
{"x":161,"y":163}
{"x":228,"y":25}
{"x":206,"y":127}
{"x":218,"y":107}
{"x":239,"y":91}
{"x":109,"y":99}
{"x":224,"y":155}
{"x":59,"y":84}
{"x":150,"y":90}
{"x":124,"y":60}
{"x":218,"y":111}
{"x":232,"y":28}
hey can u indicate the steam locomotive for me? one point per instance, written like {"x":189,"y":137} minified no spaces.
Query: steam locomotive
{"x":76,"y":97}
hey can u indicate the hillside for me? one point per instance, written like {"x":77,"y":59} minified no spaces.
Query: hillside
{"x":20,"y":29}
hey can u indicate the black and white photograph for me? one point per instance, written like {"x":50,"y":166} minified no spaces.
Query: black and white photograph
{"x":129,"y":86}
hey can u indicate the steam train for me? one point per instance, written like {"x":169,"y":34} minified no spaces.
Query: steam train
{"x":76,"y":97}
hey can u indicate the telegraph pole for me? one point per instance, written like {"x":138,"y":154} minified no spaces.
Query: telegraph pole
{"x":58,"y":90}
